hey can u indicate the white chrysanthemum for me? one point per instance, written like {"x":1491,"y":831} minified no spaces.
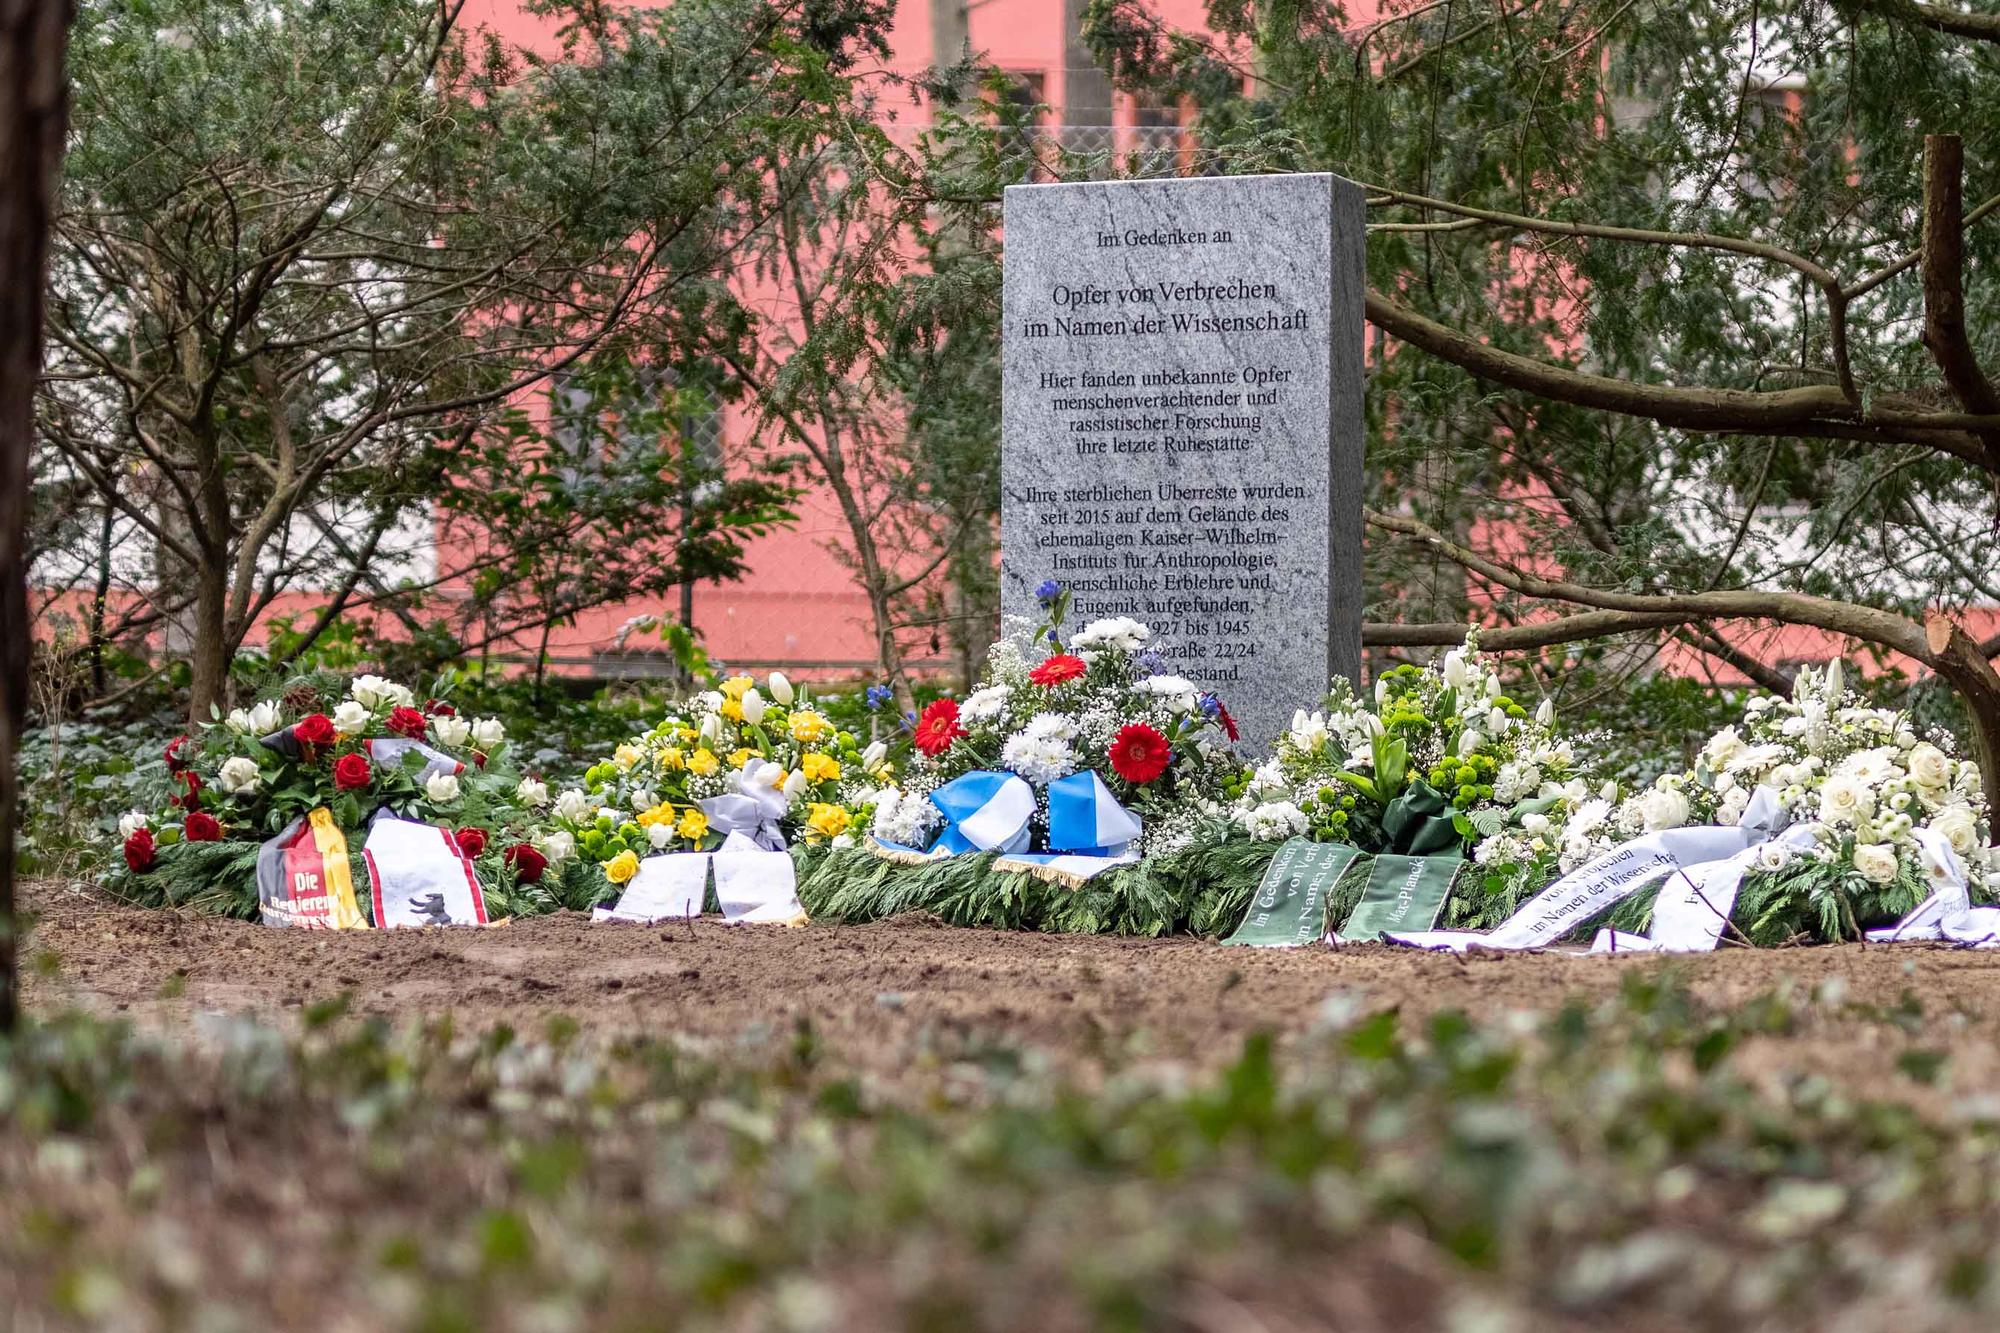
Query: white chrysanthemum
{"x":1050,"y":726}
{"x":1274,"y":821}
{"x":1039,"y":759}
{"x":987,"y":705}
{"x":905,"y":817}
{"x":1177,"y":692}
{"x":1118,"y":633}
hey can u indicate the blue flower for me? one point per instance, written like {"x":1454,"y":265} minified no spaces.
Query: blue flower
{"x":1055,"y":638}
{"x":878,"y":696}
{"x":1150,"y":662}
{"x":1210,"y":705}
{"x":1048,"y":591}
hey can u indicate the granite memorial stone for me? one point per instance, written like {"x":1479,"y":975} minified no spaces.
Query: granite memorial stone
{"x":1181,"y":423}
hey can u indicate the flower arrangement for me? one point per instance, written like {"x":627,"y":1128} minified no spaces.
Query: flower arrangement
{"x":768,"y":763}
{"x":1861,"y":780}
{"x":351,"y":747}
{"x":1102,"y":701}
{"x":1446,"y":740}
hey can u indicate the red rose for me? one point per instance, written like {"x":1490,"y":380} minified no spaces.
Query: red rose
{"x":471,"y":841}
{"x":527,"y":862}
{"x":439,"y":708}
{"x":351,"y":772}
{"x":1140,"y":754}
{"x":938,"y":727}
{"x":190,"y":797}
{"x":176,"y":754}
{"x":139,"y":849}
{"x":406,"y":721}
{"x":314,"y":729}
{"x":202,"y":827}
{"x":1059,"y":668}
{"x":479,"y":758}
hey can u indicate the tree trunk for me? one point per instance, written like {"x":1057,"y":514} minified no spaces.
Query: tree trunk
{"x":33,"y":116}
{"x":209,"y":653}
{"x":1959,"y":660}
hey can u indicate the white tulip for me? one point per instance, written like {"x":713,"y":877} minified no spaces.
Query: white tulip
{"x":573,"y":805}
{"x":1545,"y":716}
{"x":1836,"y":686}
{"x":795,"y":784}
{"x":1455,"y":674}
{"x":442,"y":788}
{"x":753,"y":706}
{"x":239,"y":774}
{"x":451,"y":731}
{"x":132,"y":823}
{"x":533,"y":792}
{"x":558,"y":846}
{"x":781,"y":688}
{"x":1469,"y":742}
{"x":660,"y":835}
{"x":711,"y":728}
{"x":488,"y":732}
{"x":872,"y":757}
{"x":350,"y":717}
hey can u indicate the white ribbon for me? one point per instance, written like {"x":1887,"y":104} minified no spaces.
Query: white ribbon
{"x":755,"y":886}
{"x":419,"y":876}
{"x":754,"y":808}
{"x":1711,"y":858}
{"x":1947,"y":914}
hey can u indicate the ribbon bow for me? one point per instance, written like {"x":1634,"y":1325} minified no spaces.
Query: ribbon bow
{"x":1085,"y":819}
{"x":1947,"y":914}
{"x":754,"y":808}
{"x":984,"y":811}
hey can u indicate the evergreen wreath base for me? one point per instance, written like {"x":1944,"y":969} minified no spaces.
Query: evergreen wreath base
{"x":1203,"y":889}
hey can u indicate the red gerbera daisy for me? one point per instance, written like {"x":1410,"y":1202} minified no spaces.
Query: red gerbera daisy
{"x":1140,"y":754}
{"x":938,"y":727}
{"x":1228,"y":722}
{"x":1059,"y":668}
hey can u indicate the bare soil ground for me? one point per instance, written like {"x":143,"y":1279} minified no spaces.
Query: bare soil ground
{"x":869,"y":991}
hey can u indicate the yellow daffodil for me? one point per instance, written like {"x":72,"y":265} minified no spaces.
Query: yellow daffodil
{"x":827,"y":820}
{"x":703,"y":762}
{"x":620,"y":867}
{"x":625,"y":756}
{"x":687,"y":733}
{"x":733,"y":709}
{"x":738,"y":758}
{"x":734,"y":687}
{"x":693,"y":825}
{"x":820,"y":767}
{"x":808,"y":727}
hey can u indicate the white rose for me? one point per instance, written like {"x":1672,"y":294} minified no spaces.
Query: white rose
{"x":1773,"y":857}
{"x":350,"y":717}
{"x":374,"y":692}
{"x":573,"y":805}
{"x":644,"y":798}
{"x":1730,"y":811}
{"x":451,"y":732}
{"x":264,"y":718}
{"x":1721,"y":747}
{"x":533,"y":792}
{"x":442,"y":788}
{"x":132,"y":823}
{"x":1663,"y":808}
{"x":753,"y":706}
{"x":1928,"y":765}
{"x":660,"y":834}
{"x":239,"y":774}
{"x":557,"y":845}
{"x":1845,"y":798}
{"x":1535,"y":825}
{"x":1957,"y":825}
{"x":1876,"y":861}
{"x":488,"y":732}
{"x":781,"y":688}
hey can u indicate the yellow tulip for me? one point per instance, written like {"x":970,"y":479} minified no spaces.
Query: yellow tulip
{"x":734,"y":687}
{"x":621,"y":867}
